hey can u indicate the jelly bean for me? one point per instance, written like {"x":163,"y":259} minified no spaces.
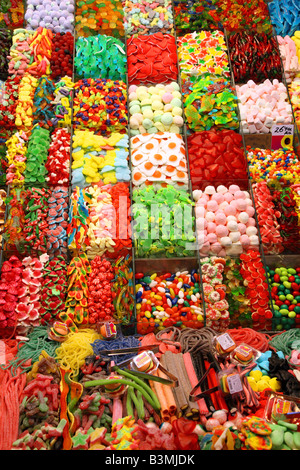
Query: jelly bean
{"x":273,"y":166}
{"x":285,"y":301}
{"x":156,"y":317}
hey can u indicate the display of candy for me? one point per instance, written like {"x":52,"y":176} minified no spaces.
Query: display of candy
{"x":16,"y":149}
{"x":100,"y":56}
{"x":216,"y":155}
{"x":29,"y":294}
{"x":24,"y":117}
{"x":58,"y":160}
{"x":285,"y":17}
{"x":100,"y":105}
{"x":146,"y":203}
{"x":225,"y":220}
{"x":36,"y":156}
{"x":97,"y":158}
{"x":63,"y":99}
{"x":77,"y":312}
{"x":56,"y":16}
{"x":36,"y":220}
{"x":263,"y":105}
{"x":99,"y":18}
{"x":290,"y":60}
{"x":237,"y":15}
{"x":294,"y":91}
{"x":10,"y":282}
{"x":155,"y":109}
{"x":53,"y":290}
{"x":6,"y":43}
{"x":3,"y":195}
{"x":12,"y":14}
{"x":163,"y":223}
{"x":203,"y":52}
{"x":151,"y":59}
{"x":267,"y":217}
{"x":273,"y":165}
{"x":191,"y":16}
{"x":99,"y":220}
{"x":43,"y":108}
{"x":8,"y":102}
{"x":57,"y":221}
{"x":286,"y":205}
{"x":209,"y":102}
{"x":159,"y":159}
{"x":21,"y":53}
{"x":144,"y":17}
{"x":284,"y":283}
{"x":248,"y":51}
{"x":13,"y":235}
{"x":61,"y":61}
{"x":41,"y":45}
{"x":168,"y":299}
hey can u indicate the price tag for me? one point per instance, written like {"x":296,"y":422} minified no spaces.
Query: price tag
{"x":282,"y":136}
{"x":234,"y":384}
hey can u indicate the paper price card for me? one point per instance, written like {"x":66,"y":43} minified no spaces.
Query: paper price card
{"x":282,"y":136}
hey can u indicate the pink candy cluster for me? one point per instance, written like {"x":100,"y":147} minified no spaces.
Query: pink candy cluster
{"x":263,"y":105}
{"x":290,"y":61}
{"x":225,"y":220}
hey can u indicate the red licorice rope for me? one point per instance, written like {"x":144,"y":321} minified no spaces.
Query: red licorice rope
{"x":10,"y":396}
{"x":253,"y":338}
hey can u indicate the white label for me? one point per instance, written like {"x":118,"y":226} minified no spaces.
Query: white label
{"x":283,"y":129}
{"x":225,"y":341}
{"x":234,"y":384}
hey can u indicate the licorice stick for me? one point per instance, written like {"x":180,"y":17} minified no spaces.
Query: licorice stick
{"x":193,"y":406}
{"x":194,"y":380}
{"x":167,"y":390}
{"x":158,"y":390}
{"x":117,"y":409}
{"x":198,"y":362}
{"x":167,"y":361}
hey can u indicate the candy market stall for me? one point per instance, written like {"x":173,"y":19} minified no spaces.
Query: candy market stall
{"x":149,"y":225}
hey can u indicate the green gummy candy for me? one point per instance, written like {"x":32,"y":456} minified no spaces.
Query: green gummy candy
{"x":288,"y":425}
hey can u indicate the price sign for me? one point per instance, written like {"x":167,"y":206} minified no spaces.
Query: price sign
{"x":282,"y":136}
